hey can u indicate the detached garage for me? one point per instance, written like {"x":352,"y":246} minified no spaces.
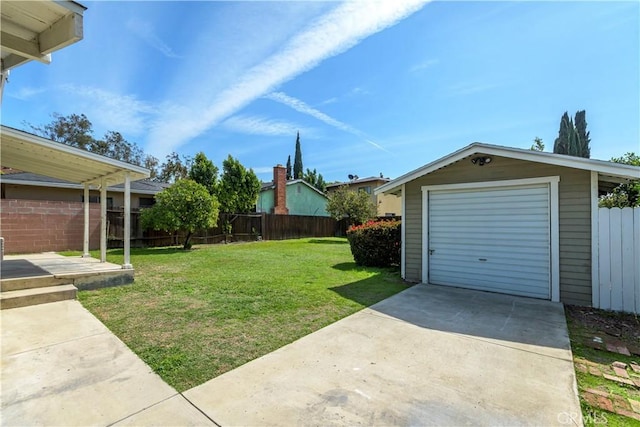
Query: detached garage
{"x":505,"y":220}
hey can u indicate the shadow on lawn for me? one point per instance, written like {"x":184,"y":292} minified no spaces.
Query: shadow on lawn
{"x":369,"y":291}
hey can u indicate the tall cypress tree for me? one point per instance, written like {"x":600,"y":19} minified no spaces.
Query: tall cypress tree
{"x":583,"y":134}
{"x":289,"y":168}
{"x":561,"y":144}
{"x":297,"y":162}
{"x":573,"y":138}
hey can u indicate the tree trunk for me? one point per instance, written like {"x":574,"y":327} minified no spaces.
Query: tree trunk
{"x":187,"y":241}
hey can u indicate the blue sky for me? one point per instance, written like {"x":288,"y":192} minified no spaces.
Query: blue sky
{"x":373,"y":88}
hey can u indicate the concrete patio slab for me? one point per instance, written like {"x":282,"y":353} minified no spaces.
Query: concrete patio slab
{"x":427,"y":356}
{"x":61,"y":366}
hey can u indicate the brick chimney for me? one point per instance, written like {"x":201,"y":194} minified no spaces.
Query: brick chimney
{"x":280,"y":191}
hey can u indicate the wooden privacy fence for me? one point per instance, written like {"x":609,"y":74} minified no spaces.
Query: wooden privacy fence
{"x":244,"y":227}
{"x":619,"y":259}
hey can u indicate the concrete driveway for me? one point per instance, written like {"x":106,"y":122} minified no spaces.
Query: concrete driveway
{"x":428,"y":356}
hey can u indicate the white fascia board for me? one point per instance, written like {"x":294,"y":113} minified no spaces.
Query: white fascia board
{"x":71,"y":6}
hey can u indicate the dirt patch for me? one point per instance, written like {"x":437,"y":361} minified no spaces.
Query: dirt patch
{"x":606,"y":330}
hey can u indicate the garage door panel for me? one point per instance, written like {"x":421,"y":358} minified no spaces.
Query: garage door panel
{"x":489,"y":269}
{"x":451,"y":258}
{"x":491,"y":239}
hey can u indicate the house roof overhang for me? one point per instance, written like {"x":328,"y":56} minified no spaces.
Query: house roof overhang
{"x":608,"y":170}
{"x":32,"y":30}
{"x":25,"y":151}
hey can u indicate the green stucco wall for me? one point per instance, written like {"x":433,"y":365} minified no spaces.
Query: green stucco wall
{"x":301,"y":200}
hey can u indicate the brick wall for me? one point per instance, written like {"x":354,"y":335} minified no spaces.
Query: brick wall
{"x":280,"y":196}
{"x":38,"y":226}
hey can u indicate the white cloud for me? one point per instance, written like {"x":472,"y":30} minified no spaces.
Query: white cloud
{"x":424,"y":65}
{"x":301,"y":107}
{"x":112,"y":111}
{"x":331,"y":34}
{"x":257,"y":125}
{"x":146,"y":32}
{"x":26,"y":92}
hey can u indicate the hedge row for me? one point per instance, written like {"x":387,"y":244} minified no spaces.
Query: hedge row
{"x":376,"y":243}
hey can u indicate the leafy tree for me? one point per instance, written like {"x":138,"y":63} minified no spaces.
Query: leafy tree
{"x":239,"y":188}
{"x":315,"y":179}
{"x":116,"y":147}
{"x":297,"y":162}
{"x":73,"y":130}
{"x":184,"y":206}
{"x":152,"y":164}
{"x":538,"y":145}
{"x":76,"y":131}
{"x":573,"y":140}
{"x":289,"y":176}
{"x":355,"y":205}
{"x":629,"y":158}
{"x":204,"y":172}
{"x":174,"y":168}
{"x":625,"y":194}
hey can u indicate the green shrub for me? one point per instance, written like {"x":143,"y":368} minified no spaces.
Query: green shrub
{"x":376,"y":243}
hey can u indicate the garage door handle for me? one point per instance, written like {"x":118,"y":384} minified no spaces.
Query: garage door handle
{"x":431,"y":251}
{"x":482,"y":259}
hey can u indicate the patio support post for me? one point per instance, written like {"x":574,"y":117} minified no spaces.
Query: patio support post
{"x":127,"y":222}
{"x":103,"y":220}
{"x":85,"y":245}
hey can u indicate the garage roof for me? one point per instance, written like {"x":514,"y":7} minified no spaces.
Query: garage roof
{"x":604,"y":168}
{"x":32,"y":30}
{"x":27,"y":152}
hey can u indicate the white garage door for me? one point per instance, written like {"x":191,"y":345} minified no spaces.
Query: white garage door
{"x":494,"y":239}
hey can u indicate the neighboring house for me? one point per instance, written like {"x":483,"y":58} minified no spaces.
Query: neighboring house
{"x":295,"y":197}
{"x":506,"y":220}
{"x":31,"y":186}
{"x":386,"y":204}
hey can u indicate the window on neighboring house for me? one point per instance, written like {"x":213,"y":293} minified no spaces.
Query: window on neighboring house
{"x":366,"y":189}
{"x":146,"y":202}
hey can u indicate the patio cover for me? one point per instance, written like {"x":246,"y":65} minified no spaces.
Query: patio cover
{"x":32,"y":30}
{"x":31,"y":153}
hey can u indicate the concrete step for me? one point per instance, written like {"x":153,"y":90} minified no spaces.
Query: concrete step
{"x":27,"y":297}
{"x":18,"y":283}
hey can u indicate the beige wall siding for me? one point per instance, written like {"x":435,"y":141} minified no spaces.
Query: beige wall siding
{"x":30,"y":192}
{"x":574,"y":216}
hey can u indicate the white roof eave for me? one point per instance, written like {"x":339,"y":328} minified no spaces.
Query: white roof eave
{"x":31,"y":153}
{"x":601,"y":166}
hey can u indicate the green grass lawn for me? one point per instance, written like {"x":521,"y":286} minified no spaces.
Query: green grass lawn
{"x":193,"y":315}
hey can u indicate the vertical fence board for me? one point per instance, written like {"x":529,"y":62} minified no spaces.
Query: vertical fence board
{"x":619,"y":259}
{"x":636,"y":257}
{"x":628,"y":260}
{"x":604,"y":256}
{"x":615,"y":239}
